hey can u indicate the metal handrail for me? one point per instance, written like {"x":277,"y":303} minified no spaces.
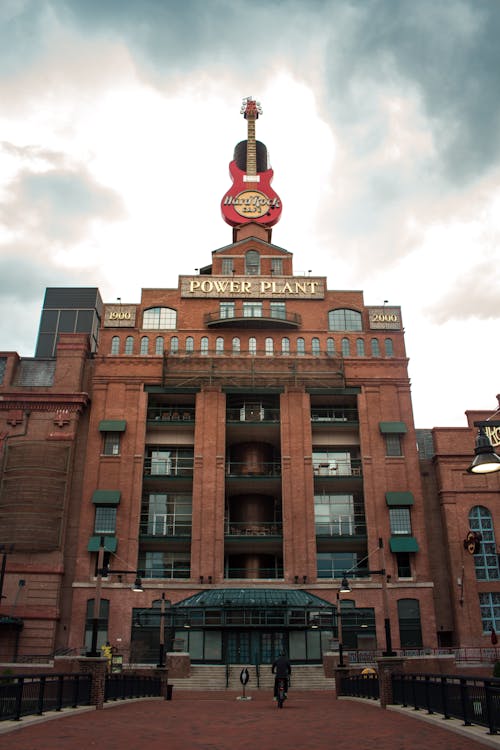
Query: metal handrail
{"x":334,"y":414}
{"x":253,"y":528}
{"x":253,"y":468}
{"x":169,"y":467}
{"x":171,"y":414}
{"x":337,"y":468}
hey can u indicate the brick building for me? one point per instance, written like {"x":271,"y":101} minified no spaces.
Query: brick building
{"x":244,"y":442}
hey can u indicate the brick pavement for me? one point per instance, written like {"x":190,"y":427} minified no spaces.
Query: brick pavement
{"x":217,"y":721}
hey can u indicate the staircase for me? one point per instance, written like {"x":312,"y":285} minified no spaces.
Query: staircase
{"x":213,"y":677}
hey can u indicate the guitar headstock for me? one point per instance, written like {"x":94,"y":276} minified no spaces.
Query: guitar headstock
{"x":250,"y":109}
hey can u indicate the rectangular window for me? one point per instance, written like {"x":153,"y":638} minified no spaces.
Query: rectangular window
{"x":393,"y":446}
{"x":227,"y":266}
{"x":403,"y":563}
{"x":276,"y":265}
{"x":111,"y":444}
{"x":105,"y":520}
{"x":339,"y":515}
{"x":166,"y":565}
{"x":252,"y":309}
{"x":278,"y":310}
{"x":400,"y":521}
{"x":226,"y":309}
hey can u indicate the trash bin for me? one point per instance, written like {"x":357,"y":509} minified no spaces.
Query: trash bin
{"x":170,"y":690}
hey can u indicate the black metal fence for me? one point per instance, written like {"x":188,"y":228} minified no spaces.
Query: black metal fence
{"x":360,"y":686}
{"x":474,"y":700}
{"x":23,"y":695}
{"x":122,"y":686}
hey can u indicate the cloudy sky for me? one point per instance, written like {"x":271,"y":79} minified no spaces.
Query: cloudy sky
{"x":118,"y":119}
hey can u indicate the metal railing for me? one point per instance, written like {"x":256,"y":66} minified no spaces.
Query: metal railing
{"x":248,"y":414}
{"x":171,"y":414}
{"x":473,"y":700}
{"x":164,"y":525}
{"x":334,"y":414}
{"x":254,"y":528}
{"x":120,"y":687}
{"x":257,"y":573}
{"x":25,"y":695}
{"x":341,"y":526}
{"x":174,"y":466}
{"x":253,"y":469}
{"x":360,"y":686}
{"x":334,"y":468}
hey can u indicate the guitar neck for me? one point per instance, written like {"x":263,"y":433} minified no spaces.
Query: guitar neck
{"x":251,"y":148}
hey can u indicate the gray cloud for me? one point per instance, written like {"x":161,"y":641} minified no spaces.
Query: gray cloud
{"x":58,"y":204}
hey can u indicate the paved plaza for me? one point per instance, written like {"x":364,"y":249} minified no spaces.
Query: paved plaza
{"x":218,"y":721}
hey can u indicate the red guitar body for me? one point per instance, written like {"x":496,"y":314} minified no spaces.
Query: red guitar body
{"x":251,"y":198}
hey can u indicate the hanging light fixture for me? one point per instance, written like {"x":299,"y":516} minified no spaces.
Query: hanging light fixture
{"x":138,"y":585}
{"x":344,"y":586}
{"x":485,"y":461}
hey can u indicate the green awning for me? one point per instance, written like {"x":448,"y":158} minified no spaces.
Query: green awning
{"x":112,"y":425}
{"x":110,"y":544}
{"x":106,"y":497}
{"x":394,"y":427}
{"x":399,"y":498}
{"x":403,"y":544}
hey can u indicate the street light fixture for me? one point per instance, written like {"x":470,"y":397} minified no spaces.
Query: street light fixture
{"x":486,"y":460}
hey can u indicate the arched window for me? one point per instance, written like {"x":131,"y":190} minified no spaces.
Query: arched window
{"x":486,"y":560}
{"x":344,"y":320}
{"x":174,"y":345}
{"x":252,"y":263}
{"x":252,"y":345}
{"x":285,"y":345}
{"x":330,"y":347}
{"x":269,"y":347}
{"x":144,"y":345}
{"x":236,"y":345}
{"x":204,"y":345}
{"x":301,"y":347}
{"x":346,"y":348}
{"x":315,"y":347}
{"x":115,"y":345}
{"x":159,"y":317}
{"x":360,"y":347}
{"x":219,"y":345}
{"x":389,"y":349}
{"x":129,"y":345}
{"x":375,"y":348}
{"x":189,"y":344}
{"x":410,"y":629}
{"x":159,"y":344}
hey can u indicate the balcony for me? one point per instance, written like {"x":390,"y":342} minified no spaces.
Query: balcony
{"x":172,"y":467}
{"x":341,"y":526}
{"x":335,"y":415}
{"x":253,"y":529}
{"x":253,"y":469}
{"x":256,"y":413}
{"x":164,"y":525}
{"x":264,"y":317}
{"x":337,"y":468}
{"x":167,"y":414}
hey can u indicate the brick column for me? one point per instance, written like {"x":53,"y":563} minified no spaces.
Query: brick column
{"x":386,"y":668}
{"x":97,"y":667}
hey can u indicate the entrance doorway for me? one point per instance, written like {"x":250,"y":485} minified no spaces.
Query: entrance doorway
{"x":254,"y":647}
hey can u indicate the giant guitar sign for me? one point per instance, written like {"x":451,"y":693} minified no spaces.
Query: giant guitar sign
{"x":251,"y":197}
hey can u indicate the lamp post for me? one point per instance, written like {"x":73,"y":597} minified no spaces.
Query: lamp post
{"x":161,"y":654}
{"x":101,"y":571}
{"x":387,"y":620}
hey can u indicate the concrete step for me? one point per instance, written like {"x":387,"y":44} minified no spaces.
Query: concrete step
{"x":213,"y":677}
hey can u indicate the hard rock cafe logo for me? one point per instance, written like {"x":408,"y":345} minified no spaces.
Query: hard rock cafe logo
{"x":251,"y":203}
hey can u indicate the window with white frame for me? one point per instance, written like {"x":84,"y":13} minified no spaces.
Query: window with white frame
{"x":159,"y":344}
{"x":115,"y":345}
{"x":129,"y":345}
{"x":226,"y":309}
{"x":105,"y":520}
{"x":252,"y":309}
{"x":344,"y":320}
{"x":189,"y":344}
{"x":159,"y":318}
{"x":252,"y":263}
{"x":276,"y":265}
{"x":400,"y":520}
{"x":269,"y":346}
{"x":204,"y":345}
{"x":144,"y":345}
{"x":278,"y":310}
{"x":285,"y":345}
{"x":227,"y":266}
{"x":252,"y":345}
